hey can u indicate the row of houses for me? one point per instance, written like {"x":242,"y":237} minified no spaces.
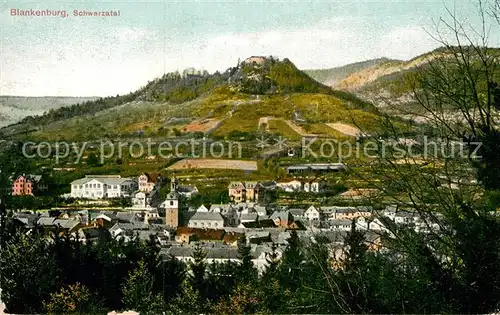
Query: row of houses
{"x":220,"y":245}
{"x":251,"y":191}
{"x":142,"y":189}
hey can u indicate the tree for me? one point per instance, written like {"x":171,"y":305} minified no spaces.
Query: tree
{"x":245,"y":300}
{"x":28,"y":273}
{"x":74,"y":299}
{"x":187,"y":301}
{"x":170,"y":275}
{"x":247,"y":272}
{"x":138,"y":291}
{"x":198,"y":268}
{"x":176,"y":132}
{"x":454,"y":90}
{"x":290,"y":267}
{"x":355,"y":248}
{"x":93,"y":160}
{"x":272,"y":261}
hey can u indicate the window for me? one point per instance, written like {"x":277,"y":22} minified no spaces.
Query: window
{"x":171,"y":203}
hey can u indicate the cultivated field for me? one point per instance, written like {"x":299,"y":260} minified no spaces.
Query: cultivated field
{"x":205,"y":125}
{"x":214,"y":164}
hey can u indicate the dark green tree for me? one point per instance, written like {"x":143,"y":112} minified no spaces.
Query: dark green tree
{"x":28,"y":273}
{"x":247,"y":272}
{"x":198,"y":267}
{"x":138,"y":291}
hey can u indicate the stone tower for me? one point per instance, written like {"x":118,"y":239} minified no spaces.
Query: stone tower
{"x":172,"y":205}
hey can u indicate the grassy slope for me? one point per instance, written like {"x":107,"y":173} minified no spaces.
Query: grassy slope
{"x":149,"y":117}
{"x":315,"y":108}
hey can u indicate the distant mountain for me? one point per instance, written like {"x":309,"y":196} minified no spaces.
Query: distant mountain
{"x":333,"y":76}
{"x":391,"y":85}
{"x":15,"y":108}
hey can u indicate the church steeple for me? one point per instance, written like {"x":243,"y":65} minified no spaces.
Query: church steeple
{"x":174,"y":184}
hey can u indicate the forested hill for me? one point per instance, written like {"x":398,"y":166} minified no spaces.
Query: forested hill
{"x":255,"y":76}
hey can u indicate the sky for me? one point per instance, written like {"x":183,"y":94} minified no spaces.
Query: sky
{"x":103,"y":56}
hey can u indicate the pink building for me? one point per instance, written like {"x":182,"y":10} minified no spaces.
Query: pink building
{"x":25,"y":184}
{"x":148,"y":181}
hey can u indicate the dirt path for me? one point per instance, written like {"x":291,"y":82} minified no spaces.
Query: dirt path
{"x":298,"y":129}
{"x":348,"y":130}
{"x":264,"y":120}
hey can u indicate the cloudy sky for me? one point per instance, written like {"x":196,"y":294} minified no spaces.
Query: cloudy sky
{"x":101,"y":56}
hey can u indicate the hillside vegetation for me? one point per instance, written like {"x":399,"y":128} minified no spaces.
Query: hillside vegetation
{"x":234,"y":101}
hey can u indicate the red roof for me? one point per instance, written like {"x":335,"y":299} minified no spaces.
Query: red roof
{"x":202,"y":234}
{"x":152,"y":177}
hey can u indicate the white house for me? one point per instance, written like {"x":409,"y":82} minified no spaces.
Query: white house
{"x":312,"y":214}
{"x":102,"y":186}
{"x":202,"y":208}
{"x":187,"y":191}
{"x":141,"y":200}
{"x":205,"y":219}
{"x":315,"y":186}
{"x":291,"y":186}
{"x":373,"y":224}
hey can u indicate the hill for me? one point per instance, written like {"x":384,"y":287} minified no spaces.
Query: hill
{"x":335,"y":75}
{"x":15,"y":108}
{"x":390,"y":84}
{"x":234,"y":101}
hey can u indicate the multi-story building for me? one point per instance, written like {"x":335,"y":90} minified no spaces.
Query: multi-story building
{"x":28,"y":185}
{"x":148,"y":181}
{"x":244,"y":191}
{"x":102,"y":186}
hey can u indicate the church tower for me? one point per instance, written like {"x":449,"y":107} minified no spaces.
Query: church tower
{"x":172,"y":205}
{"x":174,"y":184}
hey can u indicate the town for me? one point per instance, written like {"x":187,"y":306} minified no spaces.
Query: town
{"x":218,"y":228}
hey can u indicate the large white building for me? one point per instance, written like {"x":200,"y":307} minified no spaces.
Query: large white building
{"x":102,"y":186}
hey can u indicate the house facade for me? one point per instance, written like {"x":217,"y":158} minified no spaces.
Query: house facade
{"x":314,"y":186}
{"x":291,"y":186}
{"x":244,"y":191}
{"x":144,"y":200}
{"x":312,"y":214}
{"x":147,"y":181}
{"x":202,"y":219}
{"x":188,"y":191}
{"x":100,"y":187}
{"x":27,"y":185}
